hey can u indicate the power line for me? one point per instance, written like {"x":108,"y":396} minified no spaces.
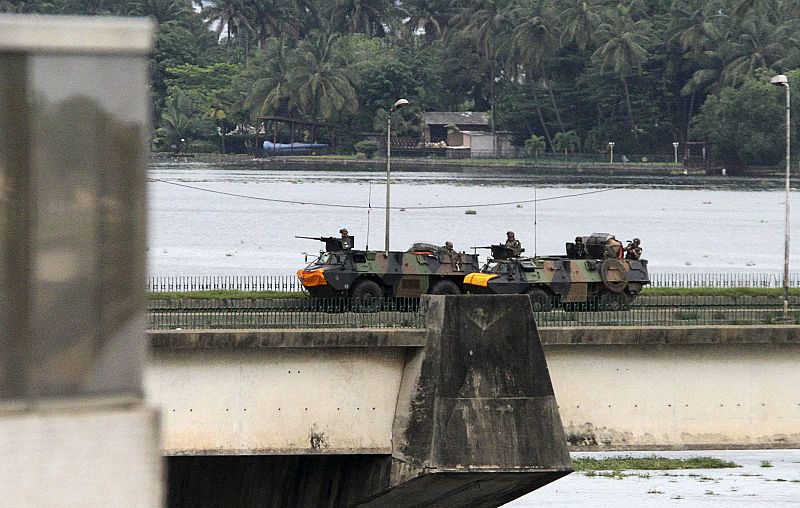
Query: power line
{"x":362,"y":207}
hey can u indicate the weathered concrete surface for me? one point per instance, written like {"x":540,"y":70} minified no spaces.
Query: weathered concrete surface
{"x":276,"y":401}
{"x":643,"y":335}
{"x":294,"y":338}
{"x":464,"y":417}
{"x":677,"y":396}
{"x":477,"y":399}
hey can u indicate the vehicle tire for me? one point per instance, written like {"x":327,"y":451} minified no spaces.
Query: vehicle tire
{"x":445,"y":287}
{"x":614,"y":274}
{"x":541,"y":300}
{"x":367,"y":296}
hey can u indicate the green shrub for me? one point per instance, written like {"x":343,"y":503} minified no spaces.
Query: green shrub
{"x":367,"y":147}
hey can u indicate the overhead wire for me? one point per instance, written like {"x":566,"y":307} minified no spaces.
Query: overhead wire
{"x":367,"y":207}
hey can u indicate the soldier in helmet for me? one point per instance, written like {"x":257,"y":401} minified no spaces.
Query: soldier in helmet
{"x":448,"y":247}
{"x":633,"y":250}
{"x":513,"y":244}
{"x":347,"y":240}
{"x":580,"y":248}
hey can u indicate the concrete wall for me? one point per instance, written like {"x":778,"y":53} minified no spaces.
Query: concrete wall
{"x":676,"y":387}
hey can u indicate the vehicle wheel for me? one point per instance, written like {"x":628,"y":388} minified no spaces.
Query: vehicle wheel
{"x":445,"y":287}
{"x":367,"y":296}
{"x":541,"y":300}
{"x":614,"y":275}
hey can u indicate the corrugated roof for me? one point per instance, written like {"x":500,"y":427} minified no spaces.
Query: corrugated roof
{"x":457,"y":118}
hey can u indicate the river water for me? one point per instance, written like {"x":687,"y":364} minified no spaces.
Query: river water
{"x":240,"y":232}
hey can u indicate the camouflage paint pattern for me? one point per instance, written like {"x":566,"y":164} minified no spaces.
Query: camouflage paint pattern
{"x":555,"y":280}
{"x":411,"y":273}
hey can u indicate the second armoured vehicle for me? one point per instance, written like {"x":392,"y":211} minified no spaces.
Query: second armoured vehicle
{"x":592,"y":275}
{"x":424,"y":268}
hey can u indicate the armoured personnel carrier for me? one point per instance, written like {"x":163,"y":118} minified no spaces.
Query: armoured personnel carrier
{"x":341,"y":270}
{"x":592,"y":275}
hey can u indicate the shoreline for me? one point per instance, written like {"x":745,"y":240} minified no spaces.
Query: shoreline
{"x":648,"y":174}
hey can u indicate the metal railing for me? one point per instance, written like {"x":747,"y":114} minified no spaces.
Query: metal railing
{"x":656,"y":310}
{"x":666,"y":310}
{"x":289,"y":283}
{"x":287,"y":313}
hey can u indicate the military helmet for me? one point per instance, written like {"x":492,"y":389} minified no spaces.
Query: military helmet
{"x":509,"y":233}
{"x":636,"y":240}
{"x":343,"y":231}
{"x":448,"y":244}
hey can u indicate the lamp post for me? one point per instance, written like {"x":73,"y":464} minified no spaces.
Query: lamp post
{"x":782,"y":80}
{"x":397,"y":105}
{"x":675,"y":147}
{"x":611,"y":147}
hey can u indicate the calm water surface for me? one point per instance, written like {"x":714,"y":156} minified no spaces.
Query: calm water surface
{"x":193,"y":232}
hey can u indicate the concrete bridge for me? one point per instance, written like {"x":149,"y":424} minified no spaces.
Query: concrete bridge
{"x":397,"y":404}
{"x":460,"y":413}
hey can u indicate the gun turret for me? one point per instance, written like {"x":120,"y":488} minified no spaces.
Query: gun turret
{"x":332,"y":243}
{"x":500,"y":251}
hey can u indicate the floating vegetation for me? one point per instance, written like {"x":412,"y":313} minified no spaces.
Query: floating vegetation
{"x":471,"y":212}
{"x":653,"y":462}
{"x":766,"y":463}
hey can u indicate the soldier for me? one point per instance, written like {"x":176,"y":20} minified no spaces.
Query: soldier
{"x":580,"y":248}
{"x":513,"y":244}
{"x":347,"y":240}
{"x":633,"y":250}
{"x":448,"y":247}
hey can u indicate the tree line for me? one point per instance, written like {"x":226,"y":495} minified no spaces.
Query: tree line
{"x":562,"y":74}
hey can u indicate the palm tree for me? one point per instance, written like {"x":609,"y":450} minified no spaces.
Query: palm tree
{"x":580,"y":22}
{"x":227,"y":15}
{"x":623,"y":51}
{"x":759,"y":46}
{"x":361,"y":16}
{"x":272,"y":90}
{"x":535,"y":42}
{"x":319,"y":77}
{"x":271,"y":18}
{"x":429,"y":16}
{"x":492,"y":21}
{"x":161,"y":10}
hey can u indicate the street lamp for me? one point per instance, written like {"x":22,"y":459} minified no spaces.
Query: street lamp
{"x":611,"y":147}
{"x":397,"y":105}
{"x":782,"y":80}
{"x":675,"y":146}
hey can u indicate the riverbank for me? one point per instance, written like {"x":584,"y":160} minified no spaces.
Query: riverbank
{"x":546,"y":172}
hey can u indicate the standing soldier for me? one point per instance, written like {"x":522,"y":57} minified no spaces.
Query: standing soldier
{"x":633,"y":250}
{"x":347,"y":240}
{"x":448,"y":247}
{"x":513,"y":244}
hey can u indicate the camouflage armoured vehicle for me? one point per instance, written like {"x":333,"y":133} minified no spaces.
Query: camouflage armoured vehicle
{"x":593,"y":275}
{"x":424,"y":268}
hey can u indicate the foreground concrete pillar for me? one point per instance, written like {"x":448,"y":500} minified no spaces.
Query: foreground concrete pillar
{"x":73,"y":136}
{"x":477,"y":422}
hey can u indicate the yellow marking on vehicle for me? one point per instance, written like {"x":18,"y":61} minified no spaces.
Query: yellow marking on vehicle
{"x":311,"y":278}
{"x":479,"y":279}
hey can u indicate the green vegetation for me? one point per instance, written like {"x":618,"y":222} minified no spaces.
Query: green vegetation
{"x":709,"y":291}
{"x":614,"y":466}
{"x":575,"y":74}
{"x":766,"y":463}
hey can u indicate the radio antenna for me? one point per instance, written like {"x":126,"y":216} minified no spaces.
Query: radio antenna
{"x":369,"y":209}
{"x":535,"y":206}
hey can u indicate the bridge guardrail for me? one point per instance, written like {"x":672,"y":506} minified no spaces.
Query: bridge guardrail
{"x":289,"y":283}
{"x":287,"y":313}
{"x":655,"y":310}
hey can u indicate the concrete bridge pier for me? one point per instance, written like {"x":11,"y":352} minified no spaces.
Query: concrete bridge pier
{"x":473,"y":420}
